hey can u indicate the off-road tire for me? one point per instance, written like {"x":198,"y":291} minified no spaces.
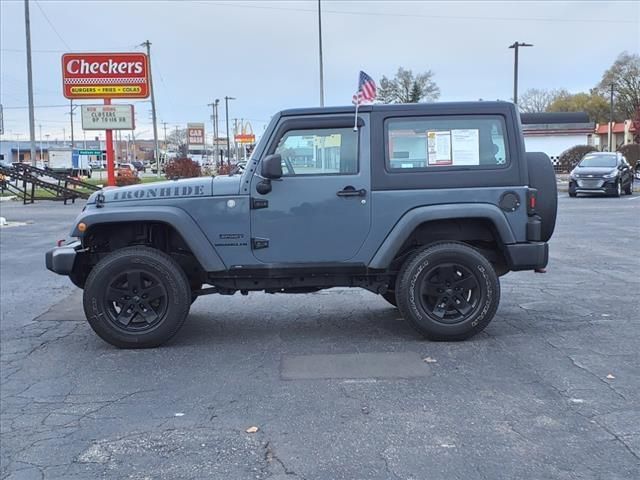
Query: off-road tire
{"x":149,"y":263}
{"x":483,"y":298}
{"x":573,"y":194}
{"x":390,"y":297}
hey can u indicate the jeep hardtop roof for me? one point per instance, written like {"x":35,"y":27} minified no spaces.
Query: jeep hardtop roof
{"x":398,"y":107}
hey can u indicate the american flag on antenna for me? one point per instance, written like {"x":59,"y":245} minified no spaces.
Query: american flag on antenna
{"x":366,"y":90}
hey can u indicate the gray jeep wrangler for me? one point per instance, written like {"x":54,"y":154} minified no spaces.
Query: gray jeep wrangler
{"x":424,"y":204}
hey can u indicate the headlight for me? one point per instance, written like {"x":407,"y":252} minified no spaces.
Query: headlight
{"x":612,"y":174}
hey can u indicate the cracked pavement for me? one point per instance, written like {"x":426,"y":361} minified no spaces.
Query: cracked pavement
{"x":549,"y":391}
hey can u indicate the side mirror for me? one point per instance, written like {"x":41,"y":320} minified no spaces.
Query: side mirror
{"x":271,"y":166}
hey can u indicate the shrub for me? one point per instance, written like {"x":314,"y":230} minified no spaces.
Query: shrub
{"x":224,"y":169}
{"x":571,"y":156}
{"x":126,"y":177}
{"x":182,"y":168}
{"x":631,"y":152}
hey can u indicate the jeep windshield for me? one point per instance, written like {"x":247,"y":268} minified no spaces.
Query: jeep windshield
{"x":598,"y":161}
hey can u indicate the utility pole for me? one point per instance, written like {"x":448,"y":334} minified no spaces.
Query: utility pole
{"x":164,"y":126}
{"x":611,"y":119}
{"x":18,"y":143}
{"x":213,"y":129}
{"x":320,"y":54}
{"x":235,"y":144}
{"x":217,"y":130}
{"x":515,"y":46}
{"x":153,"y":109}
{"x":226,"y":111}
{"x":32,"y":121}
{"x":40,"y":130}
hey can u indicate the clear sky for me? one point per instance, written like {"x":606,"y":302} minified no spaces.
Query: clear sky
{"x":265,"y":53}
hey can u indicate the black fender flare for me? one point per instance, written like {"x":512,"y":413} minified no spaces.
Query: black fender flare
{"x":416,"y":216}
{"x":177,"y":218}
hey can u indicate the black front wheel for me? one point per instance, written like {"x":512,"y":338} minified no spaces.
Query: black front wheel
{"x":137,"y":297}
{"x":629,"y":188}
{"x":448,"y":291}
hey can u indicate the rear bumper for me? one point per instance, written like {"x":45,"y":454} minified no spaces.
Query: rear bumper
{"x":527,"y":256}
{"x":61,"y":259}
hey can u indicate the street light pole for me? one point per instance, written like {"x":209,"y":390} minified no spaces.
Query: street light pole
{"x":515,"y":46}
{"x":226,"y":112}
{"x":32,"y":121}
{"x":320,"y":54}
{"x":153,"y":109}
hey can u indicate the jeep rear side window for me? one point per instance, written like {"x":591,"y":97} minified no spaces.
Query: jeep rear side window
{"x":437,"y":143}
{"x":326,"y":151}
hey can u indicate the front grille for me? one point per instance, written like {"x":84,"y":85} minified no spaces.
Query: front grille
{"x":595,"y":183}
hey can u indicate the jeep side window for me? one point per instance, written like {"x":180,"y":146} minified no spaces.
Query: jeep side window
{"x":326,"y":151}
{"x":437,"y":143}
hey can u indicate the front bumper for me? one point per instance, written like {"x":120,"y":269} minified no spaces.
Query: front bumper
{"x":61,"y":259}
{"x":527,"y":256}
{"x":596,"y":185}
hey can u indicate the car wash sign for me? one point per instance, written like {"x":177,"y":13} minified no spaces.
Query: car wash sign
{"x":105,"y":75}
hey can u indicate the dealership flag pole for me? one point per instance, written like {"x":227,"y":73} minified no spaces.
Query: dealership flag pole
{"x":111,"y":178}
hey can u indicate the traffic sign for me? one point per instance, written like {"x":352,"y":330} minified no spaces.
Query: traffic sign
{"x":105,"y":75}
{"x":90,"y":152}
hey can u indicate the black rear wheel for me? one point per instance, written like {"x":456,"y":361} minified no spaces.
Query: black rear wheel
{"x":448,"y":291}
{"x":137,"y":297}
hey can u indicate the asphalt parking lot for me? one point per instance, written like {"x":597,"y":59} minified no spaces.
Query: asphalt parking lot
{"x":338,"y":386}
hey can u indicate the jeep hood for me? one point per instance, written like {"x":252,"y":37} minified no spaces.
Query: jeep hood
{"x":171,"y":189}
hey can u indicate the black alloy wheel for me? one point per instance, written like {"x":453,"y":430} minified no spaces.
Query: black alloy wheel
{"x":450,"y":293}
{"x":135,"y":301}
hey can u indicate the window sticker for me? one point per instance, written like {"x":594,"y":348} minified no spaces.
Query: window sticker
{"x":465,"y":146}
{"x":439,"y":147}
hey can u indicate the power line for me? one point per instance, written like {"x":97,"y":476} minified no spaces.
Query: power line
{"x":21,"y":107}
{"x":415,"y":15}
{"x":51,"y":24}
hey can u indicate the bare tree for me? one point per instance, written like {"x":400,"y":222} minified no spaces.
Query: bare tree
{"x":624,"y":75}
{"x":536,"y":100}
{"x":178,"y":139}
{"x":406,"y":87}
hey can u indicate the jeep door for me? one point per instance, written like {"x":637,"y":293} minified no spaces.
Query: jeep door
{"x":319,"y":211}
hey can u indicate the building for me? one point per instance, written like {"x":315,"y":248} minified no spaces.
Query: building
{"x":12,"y":151}
{"x":623,"y":133}
{"x":553,"y":139}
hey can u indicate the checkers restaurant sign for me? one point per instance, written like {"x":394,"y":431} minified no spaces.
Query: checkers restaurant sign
{"x":105,"y":75}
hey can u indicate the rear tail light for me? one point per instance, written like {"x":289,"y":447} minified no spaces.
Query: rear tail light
{"x":532,"y":200}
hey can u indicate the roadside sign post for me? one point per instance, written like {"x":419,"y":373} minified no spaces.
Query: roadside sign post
{"x":111,"y":173}
{"x":106,"y":76}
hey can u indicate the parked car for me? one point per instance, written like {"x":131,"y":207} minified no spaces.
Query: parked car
{"x":139,"y":166}
{"x":127,"y":166}
{"x":602,"y":172}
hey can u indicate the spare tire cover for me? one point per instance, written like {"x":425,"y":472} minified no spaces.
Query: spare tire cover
{"x":542,"y":177}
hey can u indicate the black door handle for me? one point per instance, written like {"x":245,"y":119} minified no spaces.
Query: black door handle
{"x":350,"y":191}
